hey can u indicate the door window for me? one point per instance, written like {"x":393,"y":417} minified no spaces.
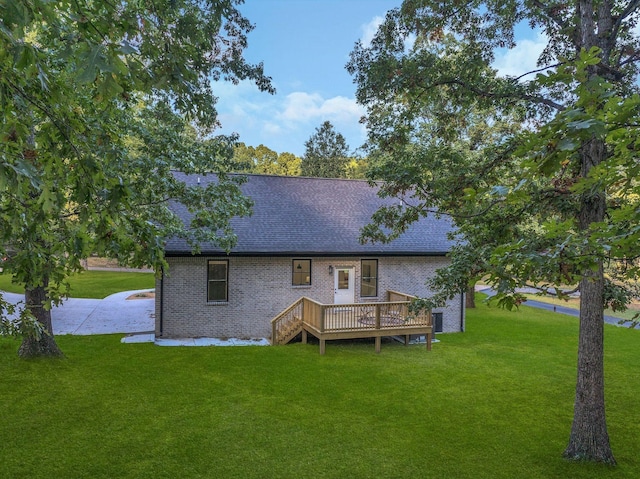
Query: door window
{"x":343,"y":279}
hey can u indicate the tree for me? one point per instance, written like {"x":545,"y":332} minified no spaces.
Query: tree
{"x":326,"y":153}
{"x":561,"y":194}
{"x":266,"y":161}
{"x":444,"y":158}
{"x":356,"y":168}
{"x":289,"y":164}
{"x":101,"y":103}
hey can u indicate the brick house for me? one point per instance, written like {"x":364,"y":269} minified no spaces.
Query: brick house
{"x":301,"y":240}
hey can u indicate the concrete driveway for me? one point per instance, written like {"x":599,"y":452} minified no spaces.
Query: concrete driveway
{"x":117,"y":314}
{"x":113,"y":314}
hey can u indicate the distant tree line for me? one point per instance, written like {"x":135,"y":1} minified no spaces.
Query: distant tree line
{"x":262,"y":159}
{"x":326,"y":155}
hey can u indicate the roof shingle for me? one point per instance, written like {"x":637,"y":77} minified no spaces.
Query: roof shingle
{"x":304,"y":216}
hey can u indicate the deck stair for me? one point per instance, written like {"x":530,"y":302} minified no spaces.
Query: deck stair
{"x":349,"y":321}
{"x":290,"y":330}
{"x":288,"y":324}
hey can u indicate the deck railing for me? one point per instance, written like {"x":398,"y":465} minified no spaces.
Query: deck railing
{"x":287,"y":324}
{"x":350,"y":320}
{"x":358,"y":316}
{"x":396,"y":296}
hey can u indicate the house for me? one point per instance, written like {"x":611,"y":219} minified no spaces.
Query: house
{"x":302,"y":240}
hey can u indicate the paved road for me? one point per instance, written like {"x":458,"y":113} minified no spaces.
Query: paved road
{"x":559,"y":309}
{"x":113,"y":314}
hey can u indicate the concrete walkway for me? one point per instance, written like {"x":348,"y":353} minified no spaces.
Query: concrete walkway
{"x":113,"y":314}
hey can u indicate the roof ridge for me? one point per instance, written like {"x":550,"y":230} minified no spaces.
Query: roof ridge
{"x":272,"y":175}
{"x":300,"y":177}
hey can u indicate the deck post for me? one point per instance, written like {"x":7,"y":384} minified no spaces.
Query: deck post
{"x":428,"y":338}
{"x":304,"y":336}
{"x":322,"y":345}
{"x":406,"y":340}
{"x":322,"y":311}
{"x":378,"y":344}
{"x":377,"y":316}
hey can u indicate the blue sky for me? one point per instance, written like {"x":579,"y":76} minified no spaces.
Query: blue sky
{"x":305,"y":45}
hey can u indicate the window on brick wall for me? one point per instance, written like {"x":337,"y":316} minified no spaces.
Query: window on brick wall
{"x":301,"y":275}
{"x":437,"y":322}
{"x":369,"y":278}
{"x":218,"y":280}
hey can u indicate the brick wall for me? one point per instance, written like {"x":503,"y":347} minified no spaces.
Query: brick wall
{"x":260,"y":288}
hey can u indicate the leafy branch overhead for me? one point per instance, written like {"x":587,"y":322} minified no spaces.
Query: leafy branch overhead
{"x":538,"y":171}
{"x":101,"y":103}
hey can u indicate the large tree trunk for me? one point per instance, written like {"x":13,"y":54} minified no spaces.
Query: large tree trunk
{"x":589,"y":440}
{"x":470,"y":297}
{"x":46,"y":345}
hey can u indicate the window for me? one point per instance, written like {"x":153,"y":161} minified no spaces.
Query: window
{"x":369,"y":279}
{"x":217,"y":280}
{"x":437,"y":322}
{"x":301,"y":272}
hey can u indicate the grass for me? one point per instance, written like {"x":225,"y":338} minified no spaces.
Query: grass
{"x":493,"y":402}
{"x":94,"y":284}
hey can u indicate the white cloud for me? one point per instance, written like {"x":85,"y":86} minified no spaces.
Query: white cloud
{"x":522,"y":58}
{"x":271,"y":128}
{"x":284,"y":122}
{"x":369,"y":30}
{"x":302,"y":106}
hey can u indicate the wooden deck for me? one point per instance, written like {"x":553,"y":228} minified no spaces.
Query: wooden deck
{"x":350,"y":321}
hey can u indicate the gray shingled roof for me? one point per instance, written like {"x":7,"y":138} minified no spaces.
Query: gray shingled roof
{"x":302,"y":216}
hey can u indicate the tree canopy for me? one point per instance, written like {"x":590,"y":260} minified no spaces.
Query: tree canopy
{"x":326,"y":153}
{"x":262,"y":159}
{"x":100,"y":103}
{"x":548,"y":204}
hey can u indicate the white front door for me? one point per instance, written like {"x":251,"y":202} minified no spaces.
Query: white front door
{"x":344,"y":290}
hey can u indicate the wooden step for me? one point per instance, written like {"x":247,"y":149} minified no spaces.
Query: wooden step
{"x":289,"y":331}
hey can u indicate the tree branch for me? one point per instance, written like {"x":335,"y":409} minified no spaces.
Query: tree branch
{"x":478,"y":91}
{"x":539,"y":70}
{"x":548,"y":11}
{"x":48,"y":114}
{"x":555,"y":290}
{"x":451,"y":214}
{"x":633,"y":58}
{"x":629,"y":9}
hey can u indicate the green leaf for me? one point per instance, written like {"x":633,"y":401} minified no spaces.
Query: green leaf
{"x":567,"y":144}
{"x":91,"y":61}
{"x":108,"y":87}
{"x":582,"y":124}
{"x":470,"y":193}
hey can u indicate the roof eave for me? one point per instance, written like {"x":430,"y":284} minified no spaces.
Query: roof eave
{"x":183,"y":254}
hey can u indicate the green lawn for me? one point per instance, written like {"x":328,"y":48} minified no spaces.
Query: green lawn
{"x":494,"y":402}
{"x":94,"y":284}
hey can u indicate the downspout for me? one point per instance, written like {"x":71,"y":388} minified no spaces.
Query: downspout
{"x":161,"y":299}
{"x":462,"y":307}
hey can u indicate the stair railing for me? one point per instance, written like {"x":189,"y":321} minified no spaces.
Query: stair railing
{"x":287,"y":323}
